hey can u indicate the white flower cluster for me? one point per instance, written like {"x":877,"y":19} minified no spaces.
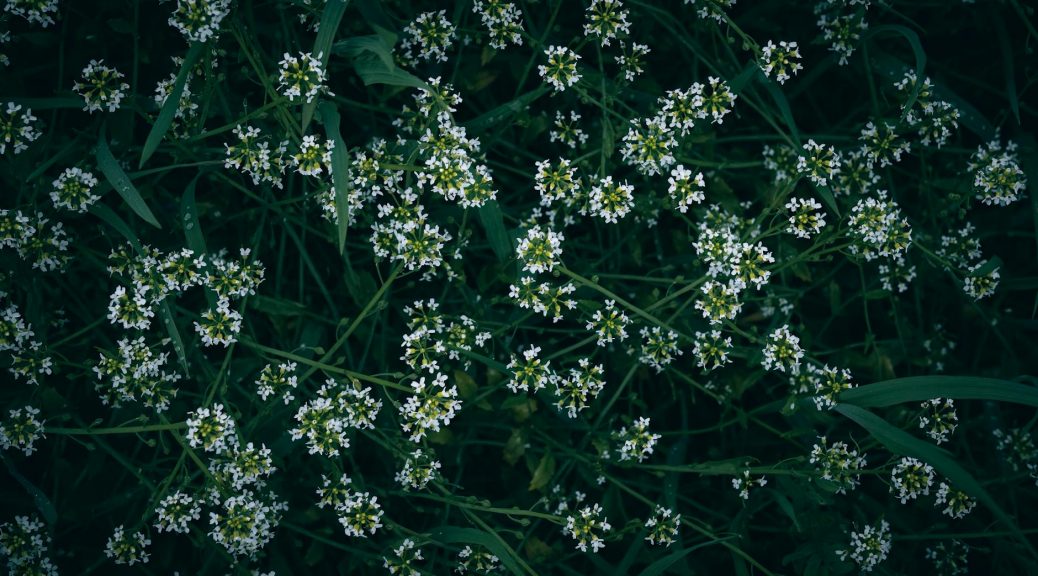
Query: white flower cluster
{"x":587,"y":526}
{"x":566,"y":131}
{"x":997,"y":175}
{"x":543,"y":298}
{"x":126,"y":548}
{"x":254,"y":157}
{"x":18,"y":129}
{"x":606,"y":20}
{"x":477,"y":562}
{"x":838,"y":463}
{"x":325,"y":420}
{"x":29,"y":358}
{"x":911,"y":478}
{"x":933,"y":119}
{"x":21,"y":430}
{"x":430,"y":408}
{"x":583,"y":385}
{"x":73,"y":190}
{"x":685,"y":189}
{"x":243,"y":523}
{"x":782,"y":352}
{"x":868,"y":547}
{"x":212,"y":429}
{"x":711,"y":349}
{"x":420,"y":468}
{"x":278,"y":380}
{"x":427,"y":38}
{"x":561,"y":70}
{"x":25,"y":545}
{"x":744,"y":482}
{"x":35,"y":238}
{"x":301,"y":78}
{"x":636,"y":442}
{"x":199,"y":20}
{"x":939,"y":419}
{"x":135,"y":372}
{"x":805,"y":217}
{"x":35,"y":11}
{"x":503,"y":21}
{"x":176,"y":511}
{"x":819,"y":163}
{"x":359,"y":513}
{"x":782,"y":60}
{"x":608,"y":323}
{"x":404,"y":560}
{"x":658,"y":348}
{"x":663,"y":527}
{"x":877,"y":229}
{"x":101,"y":87}
{"x":842,"y":23}
{"x":539,"y":251}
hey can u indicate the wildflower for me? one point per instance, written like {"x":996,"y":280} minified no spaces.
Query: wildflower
{"x":477,"y":561}
{"x":24,"y":543}
{"x":782,"y":161}
{"x":302,"y":77}
{"x":857,"y":175}
{"x":543,"y":298}
{"x":419,"y":469}
{"x":576,"y":391}
{"x":605,"y":20}
{"x":949,"y":558}
{"x":324,"y":420}
{"x":997,"y":175}
{"x":881,"y":143}
{"x":35,"y":11}
{"x":220,"y":325}
{"x":896,"y":274}
{"x":17,"y":129}
{"x":404,"y":560}
{"x":911,"y":478}
{"x":199,"y":20}
{"x":313,"y":158}
{"x":587,"y":526}
{"x":561,"y":70}
{"x":427,"y":38}
{"x":101,"y":87}
{"x":432,"y":406}
{"x":637,"y":442}
{"x":663,"y":526}
{"x":837,"y":463}
{"x":819,"y":163}
{"x":503,"y":21}
{"x":567,"y":131}
{"x":829,"y":384}
{"x":135,"y":373}
{"x":877,"y":228}
{"x":783,"y":60}
{"x":658,"y":348}
{"x":681,"y":108}
{"x":539,"y":251}
{"x":212,"y":429}
{"x":277,"y":380}
{"x":719,"y":301}
{"x":631,"y":59}
{"x":868,"y":547}
{"x":73,"y":190}
{"x":713,"y":9}
{"x":244,"y":466}
{"x":130,"y":311}
{"x":648,"y":145}
{"x":782,"y":351}
{"x":711,"y":349}
{"x":939,"y":419}
{"x":360,"y":515}
{"x":611,"y":201}
{"x":842,"y":23}
{"x":128,"y":549}
{"x":253,"y":156}
{"x":685,"y":189}
{"x":245,"y":522}
{"x":556,"y":183}
{"x":743,"y":484}
{"x":957,"y":504}
{"x":750,"y":269}
{"x":530,"y":373}
{"x":21,"y":430}
{"x":1017,"y":445}
{"x":806,"y":218}
{"x":718,"y":101}
{"x":175,"y":511}
{"x":609,"y":323}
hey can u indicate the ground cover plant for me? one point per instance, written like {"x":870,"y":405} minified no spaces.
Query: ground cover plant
{"x":531,"y":287}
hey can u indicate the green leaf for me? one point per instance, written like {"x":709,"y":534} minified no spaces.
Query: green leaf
{"x":784,"y":110}
{"x":172,"y":103}
{"x":189,"y":218}
{"x":373,"y":71}
{"x":109,"y":166}
{"x":917,"y":51}
{"x":542,"y":475}
{"x":326,"y":30}
{"x":660,"y":566}
{"x":826,"y":194}
{"x":340,"y":170}
{"x":494,"y":223}
{"x":112,"y":219}
{"x":900,"y":442}
{"x":919,"y":388}
{"x":375,"y":44}
{"x":505,"y":111}
{"x":166,"y":316}
{"x":493,"y":543}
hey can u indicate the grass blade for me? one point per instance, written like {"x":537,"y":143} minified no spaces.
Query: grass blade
{"x":919,"y":388}
{"x":494,"y":223}
{"x":326,"y":30}
{"x":115,"y":175}
{"x":172,"y":103}
{"x":340,"y":170}
{"x":900,"y":442}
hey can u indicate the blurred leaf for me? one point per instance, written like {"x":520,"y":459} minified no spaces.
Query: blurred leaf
{"x":494,"y":223}
{"x":542,"y":475}
{"x":340,"y":171}
{"x":326,"y":30}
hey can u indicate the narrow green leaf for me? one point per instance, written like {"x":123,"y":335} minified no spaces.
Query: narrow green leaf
{"x":663,"y":564}
{"x":1008,"y":64}
{"x":373,"y":71}
{"x":112,"y":219}
{"x":826,"y":194}
{"x":917,"y":51}
{"x":784,"y":110}
{"x":172,"y":103}
{"x":457,"y":534}
{"x":900,"y":442}
{"x":340,"y":170}
{"x":919,"y":388}
{"x":326,"y":30}
{"x":494,"y":222}
{"x":166,"y":316}
{"x":189,"y":219}
{"x":355,"y":46}
{"x":505,"y":111}
{"x":109,"y":166}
